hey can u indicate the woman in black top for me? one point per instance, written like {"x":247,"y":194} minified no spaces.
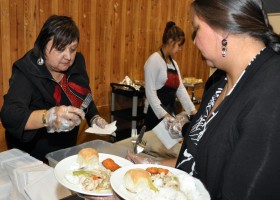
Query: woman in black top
{"x":232,"y":143}
{"x":41,"y":111}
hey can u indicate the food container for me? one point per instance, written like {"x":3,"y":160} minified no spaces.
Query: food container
{"x":100,"y":145}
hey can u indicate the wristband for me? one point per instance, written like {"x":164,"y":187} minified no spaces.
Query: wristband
{"x":44,"y":120}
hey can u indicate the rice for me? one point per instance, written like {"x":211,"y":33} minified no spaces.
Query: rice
{"x":187,"y":191}
{"x":72,"y":179}
{"x":188,"y":187}
{"x":163,"y":194}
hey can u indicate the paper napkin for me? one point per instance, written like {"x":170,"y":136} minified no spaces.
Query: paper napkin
{"x":46,"y":187}
{"x":163,"y":135}
{"x":108,"y":130}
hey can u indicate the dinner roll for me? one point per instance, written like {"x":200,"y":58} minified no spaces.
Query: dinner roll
{"x":88,"y":157}
{"x":136,"y":180}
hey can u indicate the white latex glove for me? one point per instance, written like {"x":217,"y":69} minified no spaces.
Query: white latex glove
{"x":63,"y":118}
{"x":99,"y":121}
{"x":182,"y":117}
{"x":138,"y":159}
{"x":174,"y":124}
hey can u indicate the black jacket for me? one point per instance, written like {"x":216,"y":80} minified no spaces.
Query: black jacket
{"x":238,"y":155}
{"x":33,"y":88}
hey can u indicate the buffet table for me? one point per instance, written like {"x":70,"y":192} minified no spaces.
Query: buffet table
{"x":154,"y":147}
{"x":24,"y":164}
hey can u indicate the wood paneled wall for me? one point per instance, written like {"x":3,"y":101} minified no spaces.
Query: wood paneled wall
{"x":117,"y":36}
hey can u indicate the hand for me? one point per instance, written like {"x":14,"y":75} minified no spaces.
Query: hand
{"x":182,"y":118}
{"x":174,"y":125}
{"x":99,"y":121}
{"x":193,"y":112}
{"x":112,"y":197}
{"x":137,"y":159}
{"x":63,"y":118}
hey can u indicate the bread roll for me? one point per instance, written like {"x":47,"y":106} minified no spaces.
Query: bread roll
{"x":136,"y":180}
{"x":88,"y":157}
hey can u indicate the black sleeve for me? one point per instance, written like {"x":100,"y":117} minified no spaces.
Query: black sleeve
{"x":253,"y":171}
{"x":15,"y":110}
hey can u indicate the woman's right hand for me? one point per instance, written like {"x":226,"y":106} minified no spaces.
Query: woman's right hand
{"x":112,"y":197}
{"x":63,"y":118}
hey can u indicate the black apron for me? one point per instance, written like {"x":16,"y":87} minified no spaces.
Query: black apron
{"x":167,"y":96}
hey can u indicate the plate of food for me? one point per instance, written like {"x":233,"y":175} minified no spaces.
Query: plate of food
{"x":89,"y":172}
{"x":153,"y":182}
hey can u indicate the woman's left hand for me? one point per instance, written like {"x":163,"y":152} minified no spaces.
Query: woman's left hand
{"x":99,"y":121}
{"x":137,"y":159}
{"x":63,"y":118}
{"x":112,"y":197}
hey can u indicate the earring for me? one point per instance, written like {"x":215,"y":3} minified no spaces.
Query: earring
{"x":40,"y":61}
{"x":224,"y":47}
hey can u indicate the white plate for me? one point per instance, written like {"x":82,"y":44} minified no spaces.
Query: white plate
{"x":117,"y":181}
{"x":70,"y":164}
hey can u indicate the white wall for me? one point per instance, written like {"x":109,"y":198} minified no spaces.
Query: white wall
{"x":274,"y":19}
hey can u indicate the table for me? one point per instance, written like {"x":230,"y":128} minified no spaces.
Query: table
{"x":154,"y":145}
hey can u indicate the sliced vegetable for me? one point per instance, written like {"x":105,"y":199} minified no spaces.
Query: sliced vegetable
{"x":157,"y":170}
{"x":82,"y":172}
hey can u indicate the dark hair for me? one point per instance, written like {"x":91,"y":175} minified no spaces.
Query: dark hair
{"x":62,"y":29}
{"x":238,"y":17}
{"x":173,"y":32}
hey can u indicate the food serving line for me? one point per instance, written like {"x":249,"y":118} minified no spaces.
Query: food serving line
{"x":153,"y":149}
{"x":27,"y":166}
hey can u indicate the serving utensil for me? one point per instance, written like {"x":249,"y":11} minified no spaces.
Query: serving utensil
{"x":86,"y":102}
{"x":140,"y":145}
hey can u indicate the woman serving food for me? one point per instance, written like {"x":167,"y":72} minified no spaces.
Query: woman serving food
{"x":43,"y":108}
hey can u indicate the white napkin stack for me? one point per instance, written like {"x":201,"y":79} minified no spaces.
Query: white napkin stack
{"x":6,"y":186}
{"x":10,"y":155}
{"x":45,"y":187}
{"x":12,"y":165}
{"x":28,"y":174}
{"x":7,"y":190}
{"x":163,"y":135}
{"x":25,"y":178}
{"x":108,"y":130}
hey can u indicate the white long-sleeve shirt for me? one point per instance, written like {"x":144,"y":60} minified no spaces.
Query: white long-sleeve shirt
{"x":155,"y":78}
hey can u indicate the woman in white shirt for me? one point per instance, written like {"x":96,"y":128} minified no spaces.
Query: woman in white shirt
{"x":163,"y":81}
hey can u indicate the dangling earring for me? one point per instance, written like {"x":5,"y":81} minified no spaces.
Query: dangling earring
{"x":224,"y":47}
{"x":40,"y":61}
